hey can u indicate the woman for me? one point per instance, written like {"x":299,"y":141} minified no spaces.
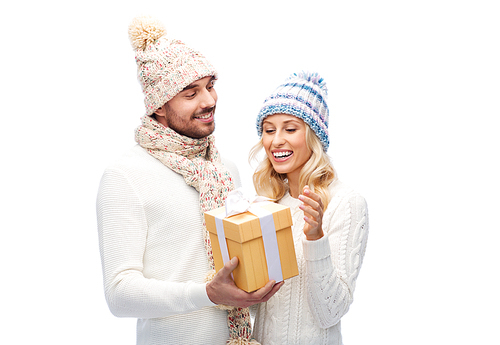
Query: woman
{"x":330,"y":220}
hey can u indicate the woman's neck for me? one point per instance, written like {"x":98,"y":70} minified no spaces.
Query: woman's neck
{"x":293,"y":185}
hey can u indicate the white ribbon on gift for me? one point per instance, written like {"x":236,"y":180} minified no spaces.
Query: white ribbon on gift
{"x":239,"y":201}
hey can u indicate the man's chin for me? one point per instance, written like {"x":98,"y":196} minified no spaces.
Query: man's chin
{"x":199,"y":134}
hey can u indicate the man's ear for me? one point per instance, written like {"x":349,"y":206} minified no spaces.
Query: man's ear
{"x":161,"y":111}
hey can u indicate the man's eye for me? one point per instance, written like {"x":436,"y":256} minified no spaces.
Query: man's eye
{"x":211,"y":85}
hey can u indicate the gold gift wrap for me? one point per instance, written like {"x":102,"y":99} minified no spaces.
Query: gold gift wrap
{"x":244,"y":239}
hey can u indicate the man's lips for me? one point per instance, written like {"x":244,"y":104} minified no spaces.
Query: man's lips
{"x":206,"y":117}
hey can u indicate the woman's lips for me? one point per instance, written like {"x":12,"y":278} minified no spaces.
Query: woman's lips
{"x":282,"y":155}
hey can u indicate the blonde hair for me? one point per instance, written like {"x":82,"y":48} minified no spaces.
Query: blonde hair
{"x":318,"y":172}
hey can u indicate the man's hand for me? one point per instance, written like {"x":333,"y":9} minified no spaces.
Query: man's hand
{"x":223,"y":290}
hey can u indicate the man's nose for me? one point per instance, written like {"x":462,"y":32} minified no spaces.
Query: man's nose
{"x":208,"y":100}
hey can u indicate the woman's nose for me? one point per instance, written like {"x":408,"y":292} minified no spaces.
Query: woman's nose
{"x":278,"y":139}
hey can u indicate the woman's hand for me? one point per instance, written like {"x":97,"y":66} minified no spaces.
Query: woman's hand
{"x":313,"y":214}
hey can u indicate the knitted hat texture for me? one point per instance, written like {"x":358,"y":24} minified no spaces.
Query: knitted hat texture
{"x":164,"y":66}
{"x":302,"y":95}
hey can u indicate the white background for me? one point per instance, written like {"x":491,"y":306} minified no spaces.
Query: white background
{"x":414,"y":101}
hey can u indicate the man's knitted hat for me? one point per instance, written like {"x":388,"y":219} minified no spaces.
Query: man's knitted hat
{"x":302,"y":95}
{"x":164,"y":66}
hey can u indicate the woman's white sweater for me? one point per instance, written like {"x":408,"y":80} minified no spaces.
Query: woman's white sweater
{"x":308,"y":308}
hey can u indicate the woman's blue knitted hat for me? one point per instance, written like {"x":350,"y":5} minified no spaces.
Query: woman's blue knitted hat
{"x":302,"y":95}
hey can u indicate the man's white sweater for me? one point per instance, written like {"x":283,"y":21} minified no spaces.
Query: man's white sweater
{"x":153,"y":256}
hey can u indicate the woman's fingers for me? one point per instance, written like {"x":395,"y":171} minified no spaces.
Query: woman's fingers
{"x":313,"y":214}
{"x":312,"y":203}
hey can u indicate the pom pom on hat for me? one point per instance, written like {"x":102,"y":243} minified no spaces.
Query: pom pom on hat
{"x":302,"y":95}
{"x":313,"y":77}
{"x":145,"y":30}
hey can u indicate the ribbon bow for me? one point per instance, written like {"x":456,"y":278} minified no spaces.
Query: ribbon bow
{"x":241,"y":200}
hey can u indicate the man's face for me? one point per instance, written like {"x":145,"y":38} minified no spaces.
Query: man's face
{"x":191,"y":111}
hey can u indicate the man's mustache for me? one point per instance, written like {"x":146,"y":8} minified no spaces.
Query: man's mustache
{"x":205,"y":111}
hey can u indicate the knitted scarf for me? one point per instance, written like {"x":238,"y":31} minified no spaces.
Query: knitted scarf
{"x":198,"y":161}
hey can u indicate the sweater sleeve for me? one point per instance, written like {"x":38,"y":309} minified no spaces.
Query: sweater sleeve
{"x":333,"y":262}
{"x":123,"y":233}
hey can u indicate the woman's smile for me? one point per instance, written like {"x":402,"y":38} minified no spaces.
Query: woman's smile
{"x":282,"y":155}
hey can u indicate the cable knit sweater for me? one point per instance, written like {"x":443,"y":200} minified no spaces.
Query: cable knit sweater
{"x":153,"y":256}
{"x":308,"y":308}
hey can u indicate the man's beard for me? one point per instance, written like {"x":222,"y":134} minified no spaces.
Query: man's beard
{"x":190,"y":129}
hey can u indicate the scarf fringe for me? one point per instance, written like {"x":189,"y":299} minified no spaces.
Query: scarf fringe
{"x":242,"y":341}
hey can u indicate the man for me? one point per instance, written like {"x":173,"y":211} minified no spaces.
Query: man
{"x":154,"y":247}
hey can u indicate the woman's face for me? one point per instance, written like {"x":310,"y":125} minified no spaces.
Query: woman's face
{"x":284,"y":139}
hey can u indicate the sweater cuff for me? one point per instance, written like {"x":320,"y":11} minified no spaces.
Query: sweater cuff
{"x":317,"y":255}
{"x":316,"y":250}
{"x":198,"y":295}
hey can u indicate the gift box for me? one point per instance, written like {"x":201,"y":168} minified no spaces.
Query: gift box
{"x":262,"y":240}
